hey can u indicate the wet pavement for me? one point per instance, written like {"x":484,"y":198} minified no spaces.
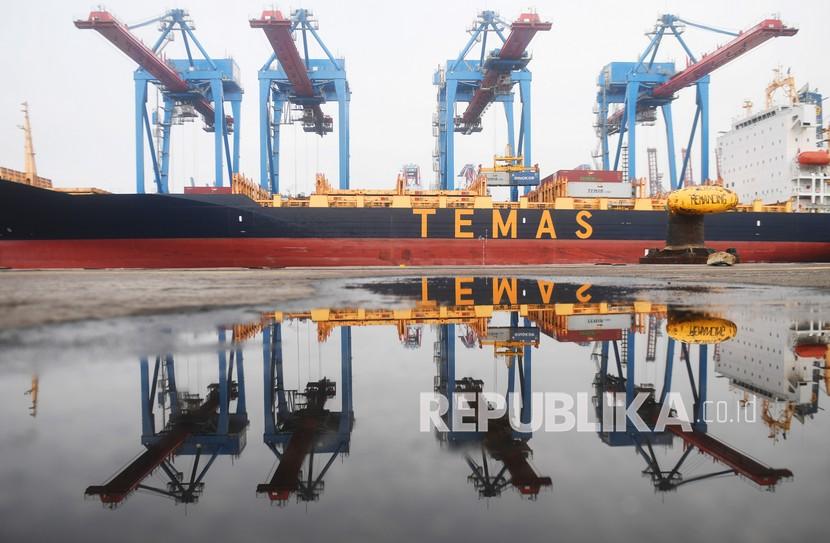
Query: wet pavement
{"x":371,"y":408}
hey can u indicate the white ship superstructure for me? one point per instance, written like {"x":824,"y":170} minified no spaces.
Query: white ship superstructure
{"x":763,"y":156}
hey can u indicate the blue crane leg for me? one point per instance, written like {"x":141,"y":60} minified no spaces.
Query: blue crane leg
{"x":343,"y":130}
{"x":631,"y":91}
{"x":218,"y":129}
{"x":165,"y":144}
{"x":667,"y":118}
{"x":703,"y":104}
{"x":140,"y":103}
{"x":236,"y":106}
{"x":449,"y":159}
{"x":265,"y":180}
{"x":525,"y":129}
{"x":511,"y":143}
{"x":275,"y":144}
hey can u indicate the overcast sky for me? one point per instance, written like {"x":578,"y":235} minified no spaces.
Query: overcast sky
{"x":80,"y":88}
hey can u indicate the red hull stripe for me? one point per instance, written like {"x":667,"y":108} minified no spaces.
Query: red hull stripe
{"x":313,"y":252}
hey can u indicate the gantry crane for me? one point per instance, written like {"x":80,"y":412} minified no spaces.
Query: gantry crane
{"x":645,"y":85}
{"x":482,"y":81}
{"x":190,"y":87}
{"x":303,"y":82}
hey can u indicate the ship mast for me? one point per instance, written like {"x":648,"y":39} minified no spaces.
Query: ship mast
{"x":29,"y":149}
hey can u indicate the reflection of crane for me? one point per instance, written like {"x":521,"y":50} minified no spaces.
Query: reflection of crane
{"x":196,"y":427}
{"x":500,"y":441}
{"x":779,"y":422}
{"x":622,"y":385}
{"x":33,"y":390}
{"x":298,"y":427}
{"x":514,"y":453}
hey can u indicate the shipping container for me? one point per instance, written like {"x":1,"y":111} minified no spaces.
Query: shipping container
{"x":581,"y":189}
{"x":596,"y":176}
{"x":208,"y":190}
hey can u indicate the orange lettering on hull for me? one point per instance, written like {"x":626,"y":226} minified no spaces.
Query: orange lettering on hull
{"x":546,"y":226}
{"x":424,"y":213}
{"x":461,"y":221}
{"x":582,"y":220}
{"x":504,"y":228}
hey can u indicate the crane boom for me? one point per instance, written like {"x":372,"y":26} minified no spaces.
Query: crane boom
{"x":744,"y":42}
{"x":119,"y":35}
{"x":521,"y":33}
{"x":278,"y":31}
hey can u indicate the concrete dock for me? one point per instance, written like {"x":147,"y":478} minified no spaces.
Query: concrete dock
{"x":32,"y":298}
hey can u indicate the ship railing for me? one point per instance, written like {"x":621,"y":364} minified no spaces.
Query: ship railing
{"x":458,"y":199}
{"x":242,"y":185}
{"x":757,"y":206}
{"x":20,"y":177}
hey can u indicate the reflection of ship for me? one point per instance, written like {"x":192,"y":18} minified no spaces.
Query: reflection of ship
{"x":617,"y":375}
{"x":297,"y":424}
{"x":782,"y":367}
{"x":195,"y":426}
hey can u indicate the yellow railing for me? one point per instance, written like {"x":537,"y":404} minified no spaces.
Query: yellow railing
{"x":550,"y":194}
{"x":242,"y":185}
{"x":19,"y":177}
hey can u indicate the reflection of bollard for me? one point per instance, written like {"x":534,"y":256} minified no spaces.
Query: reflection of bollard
{"x":699,"y":328}
{"x":685,"y":243}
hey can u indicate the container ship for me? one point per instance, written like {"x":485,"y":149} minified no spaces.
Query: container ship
{"x":243,"y":226}
{"x":571,"y":216}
